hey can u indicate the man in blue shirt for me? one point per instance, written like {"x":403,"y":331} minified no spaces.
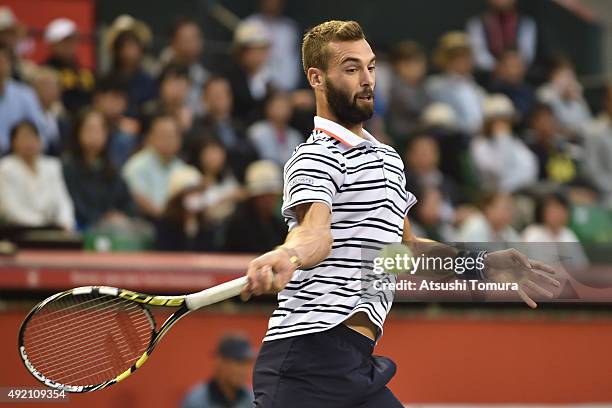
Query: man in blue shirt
{"x":17,"y":101}
{"x":228,"y":387}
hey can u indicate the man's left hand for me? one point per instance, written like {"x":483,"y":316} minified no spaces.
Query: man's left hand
{"x":512,"y":266}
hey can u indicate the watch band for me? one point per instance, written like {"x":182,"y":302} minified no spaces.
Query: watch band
{"x":293,"y":255}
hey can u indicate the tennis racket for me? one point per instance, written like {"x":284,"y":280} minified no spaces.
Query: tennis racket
{"x":92,"y":337}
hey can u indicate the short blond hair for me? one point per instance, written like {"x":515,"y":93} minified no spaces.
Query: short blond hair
{"x":315,"y":52}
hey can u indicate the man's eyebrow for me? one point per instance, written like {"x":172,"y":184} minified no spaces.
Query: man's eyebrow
{"x":357,"y":60}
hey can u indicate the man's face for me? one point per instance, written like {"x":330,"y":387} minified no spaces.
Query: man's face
{"x":502,"y":5}
{"x":165,"y":137}
{"x":253,"y":58}
{"x":233,"y":373}
{"x":174,"y":90}
{"x":66,"y":49}
{"x":112,"y":104}
{"x":349,"y":81}
{"x":188,"y":43}
{"x":5,"y":65}
{"x":423,"y":155}
{"x":511,"y":68}
{"x":218,"y":97}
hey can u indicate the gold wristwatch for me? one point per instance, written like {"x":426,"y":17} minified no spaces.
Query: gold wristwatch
{"x":293,"y":256}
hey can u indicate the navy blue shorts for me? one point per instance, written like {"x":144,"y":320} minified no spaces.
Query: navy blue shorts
{"x":329,"y":369}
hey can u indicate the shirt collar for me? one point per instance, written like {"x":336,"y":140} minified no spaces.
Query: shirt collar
{"x":342,"y":134}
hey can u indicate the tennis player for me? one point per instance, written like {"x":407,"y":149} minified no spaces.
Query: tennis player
{"x":344,"y":191}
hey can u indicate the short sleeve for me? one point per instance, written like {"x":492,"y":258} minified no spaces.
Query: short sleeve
{"x":411,"y":200}
{"x":313,"y":174}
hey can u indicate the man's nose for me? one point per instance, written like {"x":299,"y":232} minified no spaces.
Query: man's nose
{"x":367,"y":79}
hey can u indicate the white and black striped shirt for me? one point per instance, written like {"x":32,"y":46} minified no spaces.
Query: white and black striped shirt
{"x":362,"y":181}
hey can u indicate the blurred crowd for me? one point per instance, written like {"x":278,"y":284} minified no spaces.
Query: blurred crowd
{"x":186,"y":154}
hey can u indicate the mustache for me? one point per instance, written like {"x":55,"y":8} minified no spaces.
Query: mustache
{"x":366,"y":93}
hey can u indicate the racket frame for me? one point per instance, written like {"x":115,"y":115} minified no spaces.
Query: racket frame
{"x":184,"y":303}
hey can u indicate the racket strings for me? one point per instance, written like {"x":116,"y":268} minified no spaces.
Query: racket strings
{"x":87,"y":339}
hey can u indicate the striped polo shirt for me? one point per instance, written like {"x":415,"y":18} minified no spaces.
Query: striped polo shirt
{"x":362,"y":182}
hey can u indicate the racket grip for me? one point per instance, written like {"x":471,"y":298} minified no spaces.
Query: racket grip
{"x":216,"y":294}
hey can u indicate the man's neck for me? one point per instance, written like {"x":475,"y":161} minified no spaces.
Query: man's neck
{"x":227,"y":390}
{"x":325,"y":113}
{"x":3,"y":83}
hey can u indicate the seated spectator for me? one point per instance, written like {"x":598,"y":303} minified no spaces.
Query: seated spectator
{"x":186,"y":46}
{"x":509,"y":79}
{"x":284,"y":34}
{"x":250,"y":80}
{"x":32,"y":189}
{"x":111,"y":100}
{"x":18,"y":102}
{"x":272,"y":137}
{"x":499,"y":28}
{"x":127,"y":41}
{"x":422,"y":160}
{"x":228,"y":387}
{"x":13,"y":34}
{"x":218,"y":123}
{"x":559,"y":243}
{"x":563,"y":93}
{"x":174,"y":88}
{"x":557,"y":158}
{"x":147,"y":172}
{"x":431,"y":217}
{"x":222,"y":189}
{"x":77,"y":82}
{"x":408,"y":97}
{"x":598,"y":146}
{"x":256,"y":226}
{"x":440,"y":122}
{"x":183,"y":225}
{"x":56,"y":120}
{"x":455,"y":86}
{"x":503,"y":161}
{"x":97,"y":189}
{"x":493,"y":224}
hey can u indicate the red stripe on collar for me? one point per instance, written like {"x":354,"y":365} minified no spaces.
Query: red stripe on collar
{"x":330,"y":134}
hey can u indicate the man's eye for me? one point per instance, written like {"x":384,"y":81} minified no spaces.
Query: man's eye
{"x":372,"y":68}
{"x":351,"y":70}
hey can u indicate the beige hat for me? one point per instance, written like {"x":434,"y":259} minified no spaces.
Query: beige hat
{"x":439,"y":114}
{"x":125,"y":23}
{"x":251,"y":34}
{"x":7,"y":18}
{"x":183,"y":178}
{"x":498,"y":106}
{"x":449,"y":45}
{"x":263,"y":177}
{"x":60,"y":29}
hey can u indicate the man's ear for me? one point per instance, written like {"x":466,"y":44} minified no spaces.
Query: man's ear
{"x":315,"y":77}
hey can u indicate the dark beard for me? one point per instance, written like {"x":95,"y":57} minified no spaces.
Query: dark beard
{"x":345,"y":109}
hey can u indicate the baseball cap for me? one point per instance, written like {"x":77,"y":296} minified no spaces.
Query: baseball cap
{"x":498,"y":106}
{"x":263,"y":177}
{"x":60,"y":29}
{"x":183,"y":178}
{"x":235,"y":347}
{"x":7,"y":18}
{"x":251,"y":34}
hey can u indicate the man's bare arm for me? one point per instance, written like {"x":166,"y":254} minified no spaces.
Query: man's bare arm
{"x":306,"y":245}
{"x":508,"y":265}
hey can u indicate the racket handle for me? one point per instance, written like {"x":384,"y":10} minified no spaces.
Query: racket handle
{"x":216,"y":294}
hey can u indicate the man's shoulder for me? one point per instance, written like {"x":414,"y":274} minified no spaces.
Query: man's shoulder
{"x":321,"y":143}
{"x":138,"y":160}
{"x":196,"y":396}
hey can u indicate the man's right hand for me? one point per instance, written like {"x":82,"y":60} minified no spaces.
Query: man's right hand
{"x":268,"y":273}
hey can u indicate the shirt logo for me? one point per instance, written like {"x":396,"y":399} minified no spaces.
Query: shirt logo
{"x":301,"y":180}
